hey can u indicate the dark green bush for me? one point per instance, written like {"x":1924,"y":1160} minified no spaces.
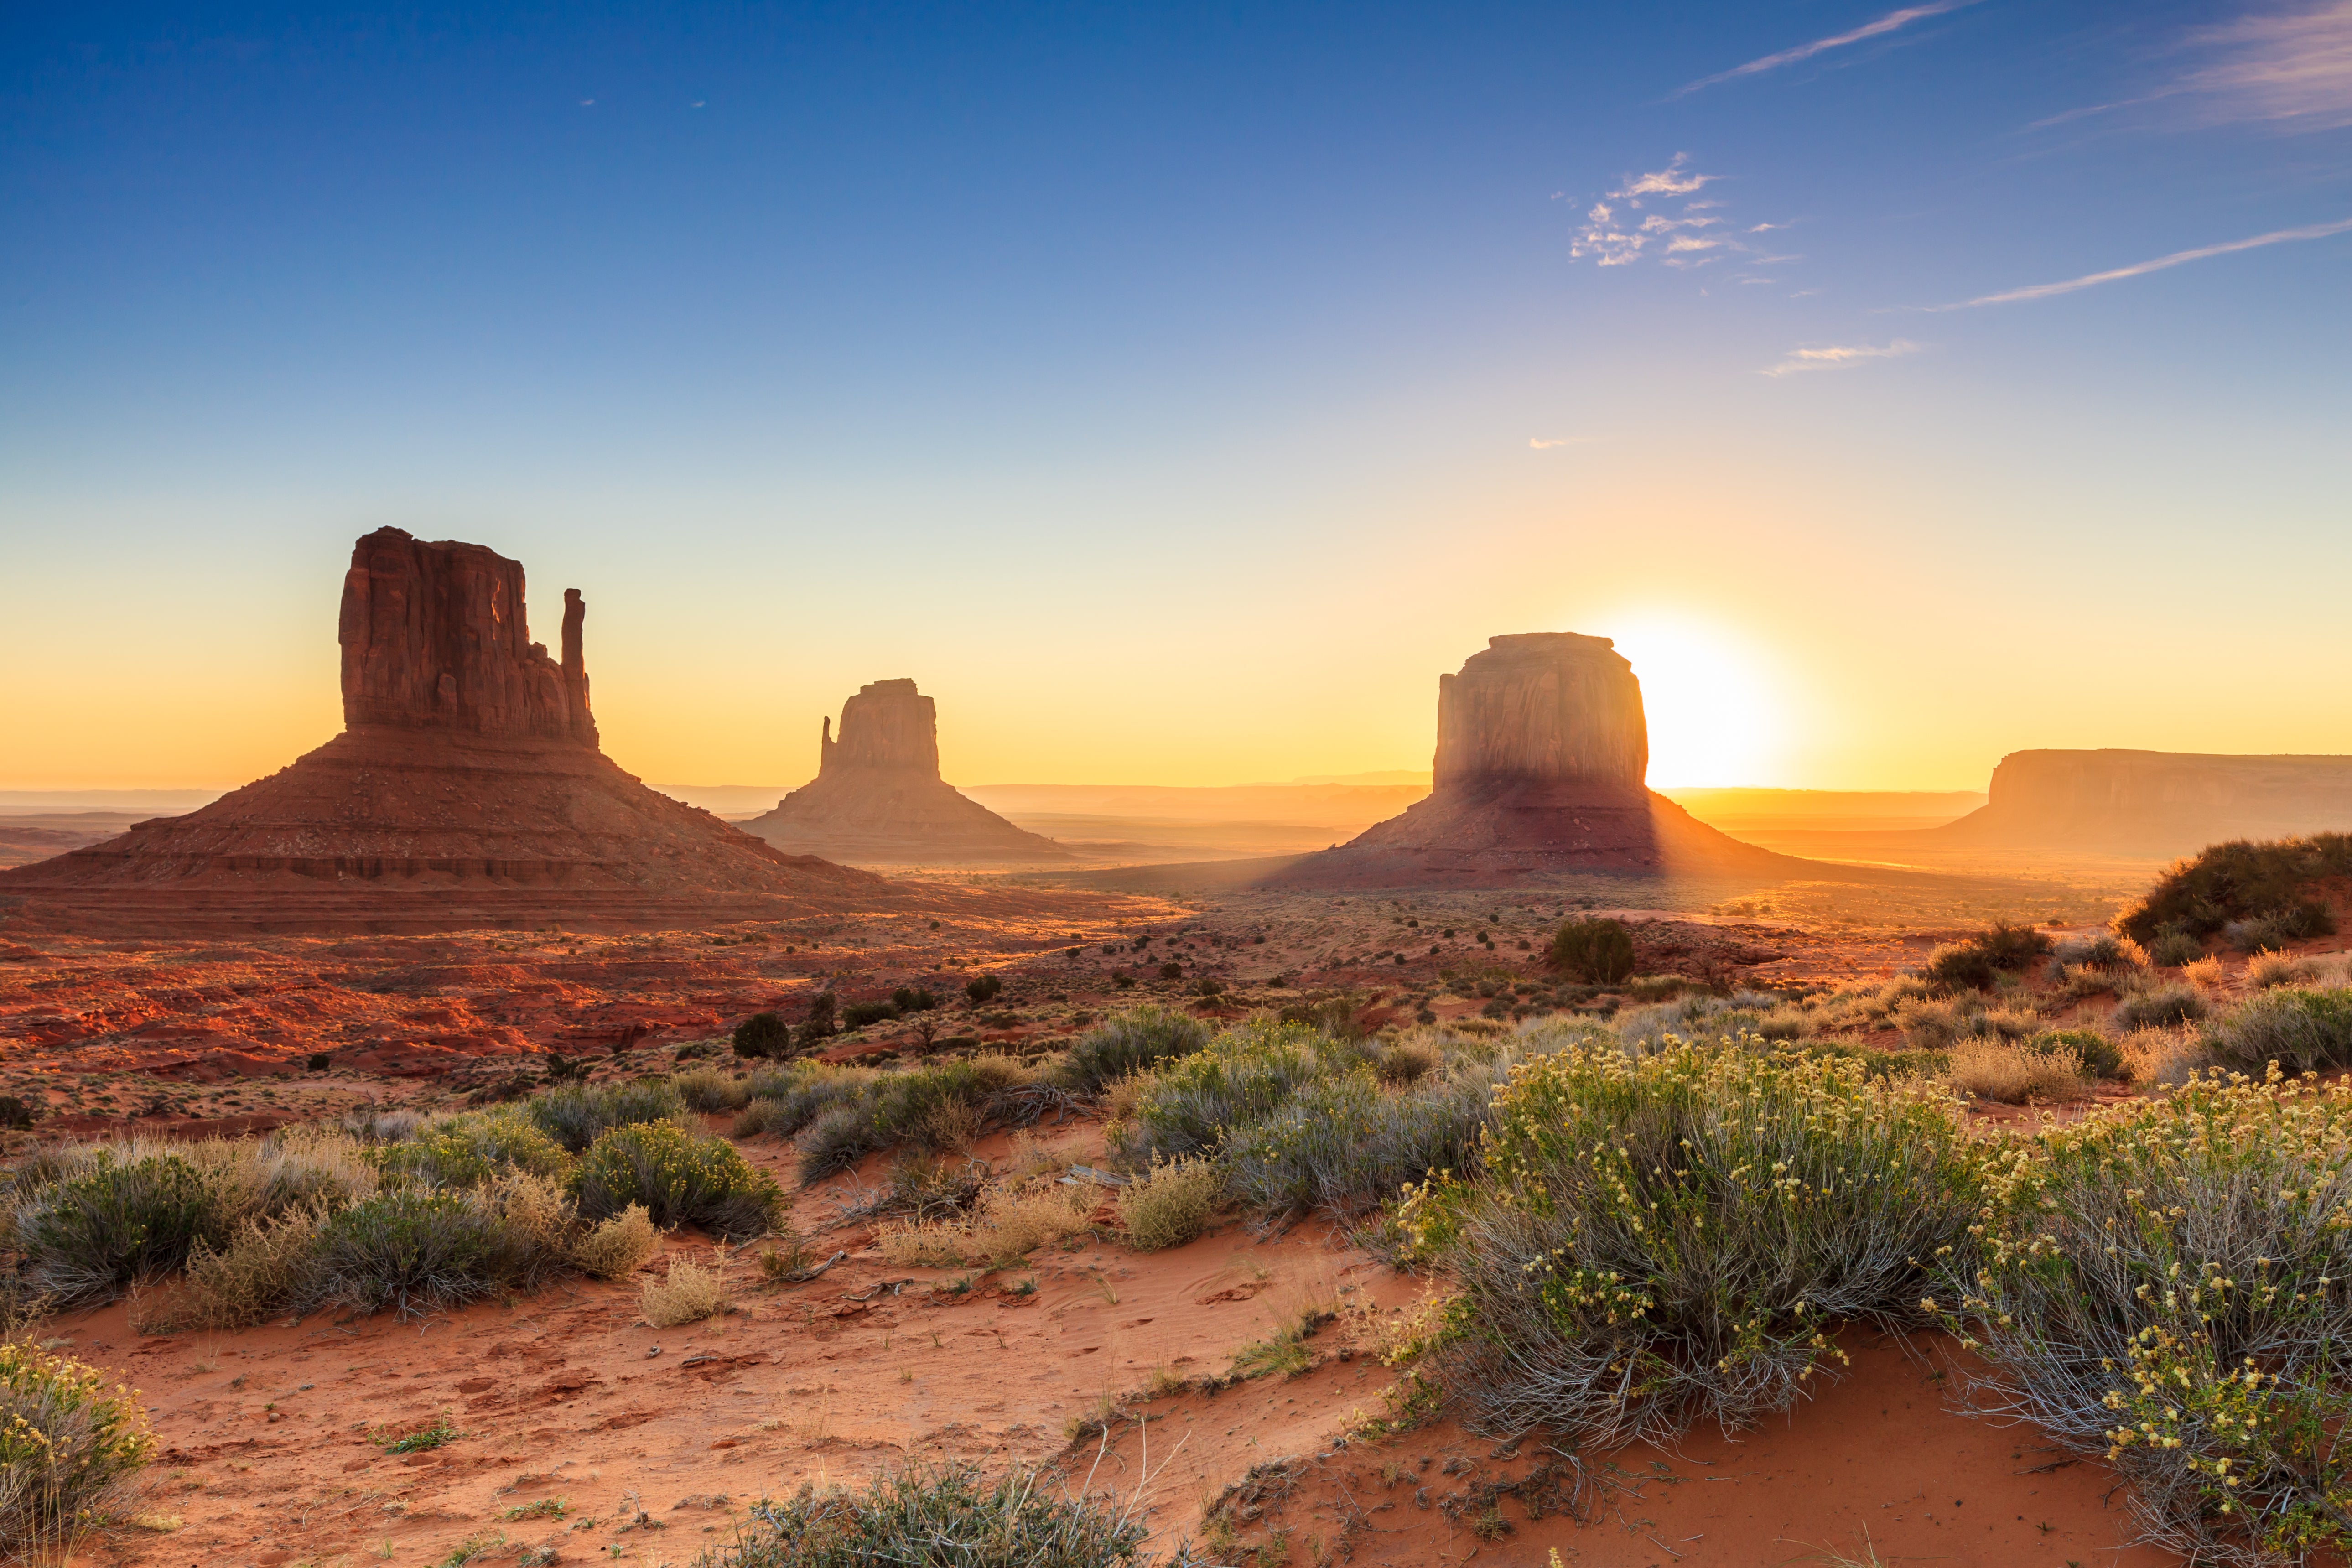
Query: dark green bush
{"x":2171,"y":949}
{"x":117,"y":1224}
{"x":1975,"y":961}
{"x":857,"y":1015}
{"x":2239,"y":880}
{"x":1127,"y":1043}
{"x":1596,"y":951}
{"x":679,"y":1177}
{"x":763,"y":1035}
{"x":15,"y":1114}
{"x":2098,"y":1052}
{"x":945,"y":1518}
{"x":914,"y":999}
{"x":576,"y":1115}
{"x":417,"y":1252}
{"x":982,"y":988}
{"x":818,"y":1026}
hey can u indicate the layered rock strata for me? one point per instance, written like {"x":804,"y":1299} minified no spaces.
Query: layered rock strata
{"x":466,"y":789}
{"x":878,"y":799}
{"x":1542,"y":749}
{"x":2155,"y":802}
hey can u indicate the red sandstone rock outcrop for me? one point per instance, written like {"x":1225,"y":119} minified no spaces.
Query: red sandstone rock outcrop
{"x":2155,"y":802}
{"x":465,"y":790}
{"x":1541,"y":753}
{"x":878,"y":799}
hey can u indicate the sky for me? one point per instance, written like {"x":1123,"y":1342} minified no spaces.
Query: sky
{"x":1174,"y":392}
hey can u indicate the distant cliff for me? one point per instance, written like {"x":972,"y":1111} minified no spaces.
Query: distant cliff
{"x":2155,"y":802}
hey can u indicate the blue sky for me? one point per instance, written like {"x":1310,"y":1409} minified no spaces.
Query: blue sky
{"x":1175,"y":391}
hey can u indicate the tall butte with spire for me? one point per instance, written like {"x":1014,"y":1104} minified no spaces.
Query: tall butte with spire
{"x":878,"y":799}
{"x":466,"y":789}
{"x":1543,"y":753}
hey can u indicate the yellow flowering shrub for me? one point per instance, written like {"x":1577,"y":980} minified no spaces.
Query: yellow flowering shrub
{"x":69,"y":1440}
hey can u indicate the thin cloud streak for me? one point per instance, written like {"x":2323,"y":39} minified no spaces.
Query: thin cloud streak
{"x":1838,"y":356}
{"x":2288,"y":68}
{"x":1891,"y":22}
{"x":2046,"y":291}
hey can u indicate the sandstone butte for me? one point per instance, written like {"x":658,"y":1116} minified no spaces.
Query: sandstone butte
{"x":466,"y":789}
{"x":1542,"y":753}
{"x":878,"y":799}
{"x":2153,"y":803}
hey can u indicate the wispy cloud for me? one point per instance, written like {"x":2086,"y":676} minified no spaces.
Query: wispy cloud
{"x":2291,"y":69}
{"x":2046,"y":291}
{"x":1838,"y":356}
{"x":1614,"y":235}
{"x":1891,"y":22}
{"x":1546,"y":443}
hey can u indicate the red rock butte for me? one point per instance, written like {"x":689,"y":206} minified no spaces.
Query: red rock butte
{"x":878,"y":799}
{"x":465,"y":790}
{"x":2154,"y":803}
{"x":1542,"y":751}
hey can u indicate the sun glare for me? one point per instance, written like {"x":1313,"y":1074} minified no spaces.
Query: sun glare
{"x":1709,"y":699}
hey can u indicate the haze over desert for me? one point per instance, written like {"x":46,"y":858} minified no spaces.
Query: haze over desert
{"x":792,"y":787}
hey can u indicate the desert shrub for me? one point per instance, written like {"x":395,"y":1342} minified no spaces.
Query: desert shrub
{"x":2013,"y":1074}
{"x":578,"y":1114}
{"x":951,"y":1518}
{"x":2301,"y":1029}
{"x":982,"y":988}
{"x":1171,"y":1204}
{"x":690,"y":1294}
{"x":264,"y":1270}
{"x":818,"y":1026}
{"x":467,"y":1151}
{"x":1596,"y":951}
{"x":678,"y":1177}
{"x":1931,"y":1026}
{"x":1130,"y":1042}
{"x":783,"y":1103}
{"x":2206,"y":974}
{"x":417,"y":1251}
{"x":857,"y":1015}
{"x":1875,"y":1063}
{"x":938,"y":1105}
{"x":70,"y":1441}
{"x":2240,"y":880}
{"x":121,"y":1222}
{"x":2160,"y":1007}
{"x":1978,"y":959}
{"x":914,"y":999}
{"x":372,"y":1125}
{"x":2271,"y":967}
{"x":2098,"y":1054}
{"x":1340,"y":1143}
{"x":15,"y":1115}
{"x":619,"y":1246}
{"x":707,"y":1088}
{"x":1656,"y":1239}
{"x":1408,"y":1060}
{"x":1238,"y":1079}
{"x":2154,"y":1057}
{"x":761,"y":1036}
{"x":2100,"y":951}
{"x":1784,"y":1023}
{"x":2162,"y":1284}
{"x":2174,"y":949}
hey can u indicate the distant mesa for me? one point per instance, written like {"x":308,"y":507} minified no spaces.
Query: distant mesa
{"x":466,"y":789}
{"x":878,"y":799}
{"x":2154,"y":803}
{"x":1542,"y":751}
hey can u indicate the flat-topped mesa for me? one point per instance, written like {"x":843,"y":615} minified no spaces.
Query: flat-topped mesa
{"x":435,"y":637}
{"x":1542,"y":751}
{"x":888,"y":724}
{"x":1546,"y":708}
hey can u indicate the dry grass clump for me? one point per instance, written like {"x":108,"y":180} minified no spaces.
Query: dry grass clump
{"x":2153,"y":1057}
{"x":952,"y":1518}
{"x":1171,"y":1204}
{"x":2162,"y":1285}
{"x":1007,"y":1227}
{"x":689,"y":1295}
{"x":2014,"y":1074}
{"x":263,"y":1267}
{"x":2160,"y":1007}
{"x":619,"y":1246}
{"x":2297,"y":1028}
{"x":2271,"y":967}
{"x":2209,"y":974}
{"x":709,"y":1088}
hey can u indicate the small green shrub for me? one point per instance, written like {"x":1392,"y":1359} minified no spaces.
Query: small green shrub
{"x":761,"y":1036}
{"x":467,"y":1151}
{"x":435,"y":1434}
{"x":2173,"y":948}
{"x":120,"y":1222}
{"x":1171,"y":1204}
{"x":2159,"y":1007}
{"x":577,"y":1115}
{"x":680,"y":1179}
{"x":914,"y":999}
{"x":1239,"y":1080}
{"x":417,"y":1251}
{"x":1976,"y":962}
{"x":950,"y":1518}
{"x":1595,"y":951}
{"x":2302,"y":1029}
{"x":2096,"y":1052}
{"x":70,"y":1440}
{"x":982,"y":988}
{"x":1130,"y":1042}
{"x":857,"y":1015}
{"x":707,"y":1088}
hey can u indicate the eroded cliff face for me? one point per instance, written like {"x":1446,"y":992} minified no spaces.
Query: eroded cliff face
{"x":2156,"y":802}
{"x":1548,"y":708}
{"x":434,"y":637}
{"x":888,"y":724}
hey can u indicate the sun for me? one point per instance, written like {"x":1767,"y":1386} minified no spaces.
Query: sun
{"x":1710,"y":699}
